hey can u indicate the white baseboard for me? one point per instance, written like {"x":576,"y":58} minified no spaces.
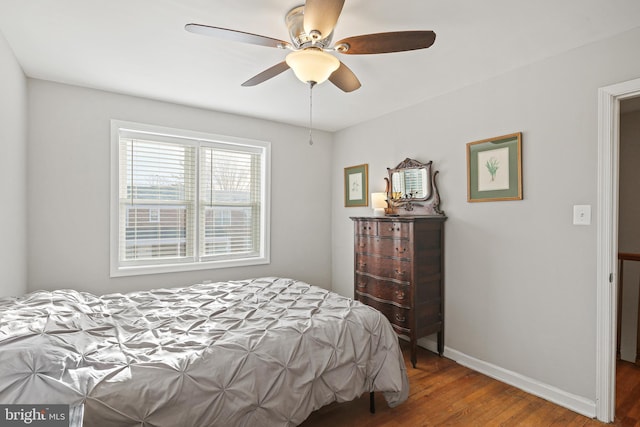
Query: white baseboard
{"x":548,"y":392}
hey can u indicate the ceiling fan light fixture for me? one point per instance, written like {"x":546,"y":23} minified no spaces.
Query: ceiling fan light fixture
{"x":312,"y":65}
{"x":311,"y":26}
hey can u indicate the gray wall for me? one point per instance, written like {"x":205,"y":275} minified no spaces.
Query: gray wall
{"x":68,"y":168}
{"x":629,"y":229}
{"x":520,"y":278}
{"x":13,"y":176}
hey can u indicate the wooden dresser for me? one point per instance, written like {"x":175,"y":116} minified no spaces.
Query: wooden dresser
{"x":399,"y":270}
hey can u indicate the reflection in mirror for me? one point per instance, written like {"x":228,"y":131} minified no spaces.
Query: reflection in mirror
{"x":410,"y":183}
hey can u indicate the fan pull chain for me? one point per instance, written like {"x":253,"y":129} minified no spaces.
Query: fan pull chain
{"x":311,"y":85}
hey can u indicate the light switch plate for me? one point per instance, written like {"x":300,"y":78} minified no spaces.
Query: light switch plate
{"x":581,"y":214}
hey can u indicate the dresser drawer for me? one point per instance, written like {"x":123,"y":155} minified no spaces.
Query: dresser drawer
{"x":386,"y":268}
{"x":398,"y":316}
{"x":366,"y":228}
{"x":395,"y":293}
{"x":394,"y":229}
{"x":387,"y":247}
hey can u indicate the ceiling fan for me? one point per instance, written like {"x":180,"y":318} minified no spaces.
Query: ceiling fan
{"x":311,"y":29}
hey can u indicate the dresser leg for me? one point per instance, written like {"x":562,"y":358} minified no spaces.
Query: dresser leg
{"x":441,"y":343}
{"x":414,"y":353}
{"x":372,"y":403}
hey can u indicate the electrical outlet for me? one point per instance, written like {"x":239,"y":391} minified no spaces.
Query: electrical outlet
{"x":582,"y":215}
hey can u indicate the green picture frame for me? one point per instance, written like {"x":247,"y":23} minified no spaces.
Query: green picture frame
{"x":494,"y":169}
{"x":356,"y":186}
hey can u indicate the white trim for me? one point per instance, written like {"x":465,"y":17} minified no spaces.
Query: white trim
{"x":548,"y":392}
{"x":607,"y":243}
{"x":606,"y":293}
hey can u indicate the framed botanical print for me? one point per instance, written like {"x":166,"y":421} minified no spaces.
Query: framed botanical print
{"x":494,"y":169}
{"x":356,"y":187}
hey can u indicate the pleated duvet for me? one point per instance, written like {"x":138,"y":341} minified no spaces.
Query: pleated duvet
{"x":260,"y":352}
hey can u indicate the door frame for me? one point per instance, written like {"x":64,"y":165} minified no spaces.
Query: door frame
{"x":609,"y":98}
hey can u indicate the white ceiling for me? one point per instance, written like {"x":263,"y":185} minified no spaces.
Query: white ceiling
{"x":140,"y":47}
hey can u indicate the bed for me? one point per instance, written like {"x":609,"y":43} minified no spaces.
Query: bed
{"x":258,"y":352}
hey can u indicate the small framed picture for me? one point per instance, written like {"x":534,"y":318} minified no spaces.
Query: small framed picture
{"x":494,"y":169}
{"x":356,"y":187}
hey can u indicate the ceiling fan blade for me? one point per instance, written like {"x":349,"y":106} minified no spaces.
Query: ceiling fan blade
{"x":233,"y":35}
{"x":321,"y":16}
{"x":344,"y":79}
{"x":267,"y":74}
{"x":398,"y":41}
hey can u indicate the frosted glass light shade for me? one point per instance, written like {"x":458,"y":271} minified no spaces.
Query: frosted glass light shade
{"x":312,"y":65}
{"x":378,"y":203}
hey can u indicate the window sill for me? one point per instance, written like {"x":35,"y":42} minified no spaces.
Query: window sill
{"x":117,"y":271}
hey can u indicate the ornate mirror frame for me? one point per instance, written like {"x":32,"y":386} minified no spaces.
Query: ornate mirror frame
{"x":402,"y":204}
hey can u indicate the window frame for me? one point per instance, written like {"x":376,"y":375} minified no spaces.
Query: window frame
{"x":119,"y":127}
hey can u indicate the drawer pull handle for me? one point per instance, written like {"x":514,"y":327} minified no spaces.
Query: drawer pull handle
{"x":399,"y":273}
{"x":401,"y":250}
{"x":400,"y":295}
{"x":362,"y":265}
{"x":362,"y":285}
{"x":400,"y":318}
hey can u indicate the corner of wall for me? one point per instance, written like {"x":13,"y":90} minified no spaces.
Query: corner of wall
{"x":13,"y":137}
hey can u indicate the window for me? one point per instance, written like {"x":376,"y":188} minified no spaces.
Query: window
{"x":184,"y":200}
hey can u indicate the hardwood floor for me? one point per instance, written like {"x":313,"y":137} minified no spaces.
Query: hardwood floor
{"x":627,"y":394}
{"x":445,"y":393}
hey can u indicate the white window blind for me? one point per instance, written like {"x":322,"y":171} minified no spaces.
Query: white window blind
{"x":157,"y":178}
{"x":187,"y":201}
{"x":229,"y":202}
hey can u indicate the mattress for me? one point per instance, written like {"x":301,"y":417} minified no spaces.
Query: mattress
{"x":259,"y":352}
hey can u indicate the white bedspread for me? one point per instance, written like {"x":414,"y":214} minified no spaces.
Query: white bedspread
{"x":262,"y":352}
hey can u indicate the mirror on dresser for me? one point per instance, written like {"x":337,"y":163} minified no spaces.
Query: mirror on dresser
{"x":412,"y":189}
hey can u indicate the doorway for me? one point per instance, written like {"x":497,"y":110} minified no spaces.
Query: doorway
{"x":609,"y":99}
{"x":628,"y":232}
